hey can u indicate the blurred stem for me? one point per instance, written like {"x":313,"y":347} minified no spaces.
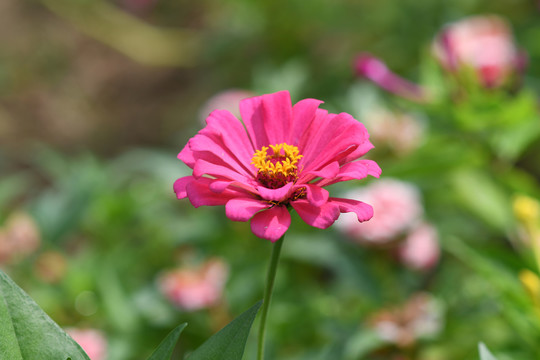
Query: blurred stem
{"x":270,"y":277}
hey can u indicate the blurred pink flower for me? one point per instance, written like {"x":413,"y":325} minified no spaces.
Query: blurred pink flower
{"x":376,"y":70}
{"x":420,"y":248}
{"x":18,"y":238}
{"x":402,"y":133}
{"x":283,"y":157}
{"x":92,"y":341}
{"x":421,"y":317}
{"x":195,"y":288}
{"x":482,"y":43}
{"x":397,"y":208}
{"x":226,"y":100}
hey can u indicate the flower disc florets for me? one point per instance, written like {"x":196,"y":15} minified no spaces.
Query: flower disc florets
{"x":277,"y":165}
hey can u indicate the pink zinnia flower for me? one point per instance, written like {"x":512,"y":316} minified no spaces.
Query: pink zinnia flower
{"x":482,"y":43}
{"x":92,"y":341}
{"x":397,"y":209}
{"x":420,"y":249}
{"x":280,"y":156}
{"x":195,"y":288}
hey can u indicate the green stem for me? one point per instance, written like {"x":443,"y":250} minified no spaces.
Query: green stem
{"x":270,"y":277}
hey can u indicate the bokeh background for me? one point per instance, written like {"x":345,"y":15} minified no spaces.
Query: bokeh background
{"x":98,"y":97}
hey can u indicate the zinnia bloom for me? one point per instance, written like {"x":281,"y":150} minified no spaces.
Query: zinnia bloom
{"x":194,"y":288}
{"x":398,"y":208}
{"x":280,"y":156}
{"x":482,"y":43}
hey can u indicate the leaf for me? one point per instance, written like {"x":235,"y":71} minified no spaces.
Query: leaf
{"x":166,"y":348}
{"x":229,"y":342}
{"x":484,"y":352}
{"x":484,"y":197}
{"x":26,"y":332}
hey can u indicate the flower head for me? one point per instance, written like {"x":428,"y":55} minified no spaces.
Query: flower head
{"x":398,"y":209}
{"x":483,"y":44}
{"x":195,"y":288}
{"x":281,"y":156}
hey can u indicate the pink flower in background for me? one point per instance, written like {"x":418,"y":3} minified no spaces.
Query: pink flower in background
{"x":421,"y":317}
{"x":195,"y":288}
{"x":420,"y":248}
{"x":372,"y":68}
{"x":397,"y":208}
{"x":402,"y":133}
{"x":92,"y":341}
{"x":226,"y":100}
{"x":280,"y":156}
{"x":482,"y":43}
{"x":18,"y":238}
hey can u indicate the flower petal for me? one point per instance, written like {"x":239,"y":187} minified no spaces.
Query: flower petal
{"x":186,"y":155}
{"x":199,"y":193}
{"x":268,"y":118}
{"x":272,"y":223}
{"x":179,"y":186}
{"x":232,"y":133}
{"x":363,"y":211}
{"x":353,"y":171}
{"x":203,"y":167}
{"x":316,"y":195}
{"x":318,"y":216}
{"x":303,"y":114}
{"x":243,"y":209}
{"x":277,"y":195}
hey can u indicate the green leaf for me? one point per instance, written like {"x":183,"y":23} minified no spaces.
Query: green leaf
{"x":26,"y":332}
{"x":166,"y":348}
{"x":484,"y":352}
{"x":229,"y":342}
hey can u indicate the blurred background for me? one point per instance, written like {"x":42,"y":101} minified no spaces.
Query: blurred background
{"x":97,"y":97}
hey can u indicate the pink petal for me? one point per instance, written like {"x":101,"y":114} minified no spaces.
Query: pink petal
{"x":203,"y":167}
{"x":268,"y":118}
{"x":210,"y":147}
{"x":186,"y":155}
{"x":376,"y":71}
{"x":179,"y":186}
{"x":219,"y":186}
{"x":303,"y":114}
{"x":233,"y":134}
{"x":363,"y":211}
{"x":329,"y":171}
{"x":318,"y":216}
{"x":316,"y":195}
{"x":276,"y":195}
{"x":243,"y":209}
{"x":354,"y":171}
{"x":199,"y":193}
{"x":335,"y":138}
{"x":272,"y":223}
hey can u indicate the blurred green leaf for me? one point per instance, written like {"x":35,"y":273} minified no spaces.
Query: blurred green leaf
{"x":484,"y":352}
{"x":229,"y":342}
{"x":127,"y":34}
{"x":166,"y":348}
{"x":26,"y":332}
{"x":484,"y":197}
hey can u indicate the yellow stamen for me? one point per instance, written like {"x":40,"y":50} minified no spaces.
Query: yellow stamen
{"x":278,"y":166}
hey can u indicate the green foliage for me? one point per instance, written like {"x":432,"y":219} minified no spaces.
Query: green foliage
{"x":229,"y":342}
{"x":484,"y":352}
{"x":26,"y":332}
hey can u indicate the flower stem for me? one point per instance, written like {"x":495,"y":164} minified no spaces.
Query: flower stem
{"x":270,"y":277}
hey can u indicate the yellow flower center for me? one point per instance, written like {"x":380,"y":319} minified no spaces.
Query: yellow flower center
{"x":277,"y":165}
